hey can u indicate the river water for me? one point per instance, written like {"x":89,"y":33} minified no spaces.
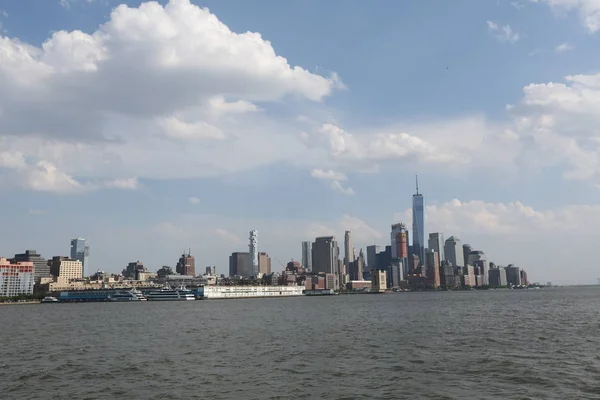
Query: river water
{"x":521,"y":344}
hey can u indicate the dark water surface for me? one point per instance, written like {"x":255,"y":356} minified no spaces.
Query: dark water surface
{"x":527,"y":344}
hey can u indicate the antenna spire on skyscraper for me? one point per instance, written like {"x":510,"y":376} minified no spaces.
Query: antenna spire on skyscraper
{"x":417,"y":182}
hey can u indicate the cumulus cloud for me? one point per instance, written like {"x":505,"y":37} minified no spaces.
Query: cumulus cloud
{"x":335,"y":179}
{"x":589,"y":11}
{"x":147,"y":81}
{"x":380,"y":147}
{"x":187,"y":131}
{"x":44,"y":176}
{"x":558,"y":123}
{"x":503,"y":33}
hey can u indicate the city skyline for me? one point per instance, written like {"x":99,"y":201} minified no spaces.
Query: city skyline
{"x":333,"y":110}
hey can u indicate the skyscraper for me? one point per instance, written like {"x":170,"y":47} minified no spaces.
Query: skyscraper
{"x":454,"y":252}
{"x":239,"y":264}
{"x":399,"y":241}
{"x":307,"y":255}
{"x":432,"y":263}
{"x":372,"y":256}
{"x":348,"y":250}
{"x":436,"y":243}
{"x":253,"y":246}
{"x":325,"y":255}
{"x":186,"y":264}
{"x":264,"y":263}
{"x":80,"y":251}
{"x":418,"y":225}
{"x":466,"y":251}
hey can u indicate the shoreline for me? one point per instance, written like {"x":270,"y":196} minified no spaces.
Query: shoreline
{"x":14,"y":303}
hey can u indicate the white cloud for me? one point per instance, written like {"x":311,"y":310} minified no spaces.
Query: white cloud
{"x":361,"y":231}
{"x":503,"y":33}
{"x":47,"y":177}
{"x":187,"y":131}
{"x":220,"y":106}
{"x":328,"y":175}
{"x":558,"y":123}
{"x":561,"y":48}
{"x":193,"y":200}
{"x":516,"y":5}
{"x":589,"y":10}
{"x":155,"y":92}
{"x":227,"y":236}
{"x":335,"y":178}
{"x":3,"y":13}
{"x":128,"y":183}
{"x":337,"y":186}
{"x":380,"y":147}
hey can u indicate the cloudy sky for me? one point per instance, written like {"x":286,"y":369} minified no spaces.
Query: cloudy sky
{"x":148,"y":128}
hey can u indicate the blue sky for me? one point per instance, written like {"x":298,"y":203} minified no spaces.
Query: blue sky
{"x":162,"y":126}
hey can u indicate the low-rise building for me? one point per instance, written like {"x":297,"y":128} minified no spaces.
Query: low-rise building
{"x":64,"y":270}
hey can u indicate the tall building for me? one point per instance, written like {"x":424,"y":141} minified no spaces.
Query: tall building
{"x":348,"y":250}
{"x":436,"y":243}
{"x":454,"y":252}
{"x":80,"y":251}
{"x":41,"y":267}
{"x":357,"y":268}
{"x":325,"y":255}
{"x":399,"y":241}
{"x":497,"y":277}
{"x":16,"y":278}
{"x":469,"y":276}
{"x":432,"y":265}
{"x":394,"y":273}
{"x":478,"y":259}
{"x":64,"y":269}
{"x":513,"y":275}
{"x":239,"y":264}
{"x":253,"y":246}
{"x":307,"y":255}
{"x":186,"y":265}
{"x":418,"y":224}
{"x":467,"y":249}
{"x":264,"y":263}
{"x":372,"y":256}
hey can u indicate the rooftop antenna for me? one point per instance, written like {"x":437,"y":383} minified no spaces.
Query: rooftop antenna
{"x":417,"y":182}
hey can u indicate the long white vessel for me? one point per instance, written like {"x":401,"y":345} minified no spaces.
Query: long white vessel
{"x":127,"y":295}
{"x":168,"y":294}
{"x":243,"y":292}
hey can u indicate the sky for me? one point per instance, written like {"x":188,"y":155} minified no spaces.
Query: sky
{"x":152,"y":127}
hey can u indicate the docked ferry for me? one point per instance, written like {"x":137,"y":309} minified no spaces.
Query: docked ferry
{"x":244,"y":292}
{"x":127,"y":295}
{"x":320,"y":292}
{"x":168,"y":294}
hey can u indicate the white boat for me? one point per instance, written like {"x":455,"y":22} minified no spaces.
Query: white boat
{"x":166,"y":293}
{"x":49,"y":299}
{"x":127,"y":295}
{"x":244,"y":292}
